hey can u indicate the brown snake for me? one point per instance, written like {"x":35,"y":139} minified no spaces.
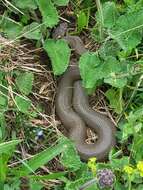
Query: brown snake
{"x":74,"y":111}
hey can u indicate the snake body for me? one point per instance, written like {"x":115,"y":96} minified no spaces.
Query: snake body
{"x":75,"y":113}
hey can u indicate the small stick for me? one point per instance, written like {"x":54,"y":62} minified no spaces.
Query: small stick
{"x":87,"y":184}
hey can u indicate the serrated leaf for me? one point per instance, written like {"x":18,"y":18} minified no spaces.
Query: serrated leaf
{"x":24,"y":82}
{"x":22,"y":104}
{"x":32,"y":31}
{"x":49,"y":13}
{"x":115,"y":99}
{"x":59,"y":53}
{"x":26,"y":4}
{"x":89,"y":65}
{"x":11,"y":28}
{"x":61,"y":2}
{"x":128,"y":30}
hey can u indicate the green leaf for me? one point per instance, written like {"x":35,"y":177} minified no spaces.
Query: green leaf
{"x":42,"y":158}
{"x":22,"y":104}
{"x":59,"y":53}
{"x":7,"y":146}
{"x":120,"y":163}
{"x":109,"y":49}
{"x":35,"y":185}
{"x":2,"y":126}
{"x":49,"y":13}
{"x":127,"y":131}
{"x":6,"y":151}
{"x":71,"y":162}
{"x":61,"y":2}
{"x":11,"y":28}
{"x":110,"y":14}
{"x":128,"y":30}
{"x":136,"y":115}
{"x":34,"y":31}
{"x":89,"y":65}
{"x":3,"y":103}
{"x":115,"y":99}
{"x":137,"y":147}
{"x":113,"y":71}
{"x":81,"y":20}
{"x":26,"y":4}
{"x":24,"y":81}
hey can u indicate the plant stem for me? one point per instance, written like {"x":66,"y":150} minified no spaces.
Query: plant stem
{"x":87,"y":184}
{"x":131,"y":98}
{"x":101,"y":18}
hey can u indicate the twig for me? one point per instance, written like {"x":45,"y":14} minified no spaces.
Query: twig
{"x":87,"y":184}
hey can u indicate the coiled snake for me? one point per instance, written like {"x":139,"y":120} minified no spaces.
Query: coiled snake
{"x":74,"y":111}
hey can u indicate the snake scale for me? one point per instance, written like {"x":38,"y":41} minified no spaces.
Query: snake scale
{"x":72,"y":107}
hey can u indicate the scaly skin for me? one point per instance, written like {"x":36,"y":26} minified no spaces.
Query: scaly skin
{"x":74,"y":111}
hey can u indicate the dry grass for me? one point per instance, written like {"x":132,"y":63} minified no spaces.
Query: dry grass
{"x":23,"y":57}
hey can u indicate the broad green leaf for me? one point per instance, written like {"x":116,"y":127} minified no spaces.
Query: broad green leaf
{"x":114,"y":81}
{"x":49,"y":13}
{"x":34,"y":31}
{"x":73,"y":162}
{"x":11,"y":28}
{"x":22,"y":104}
{"x":61,"y":2}
{"x":26,"y":4}
{"x":120,"y":163}
{"x":9,"y":145}
{"x":59,"y":53}
{"x":43,"y":157}
{"x":128,"y":30}
{"x":110,"y":14}
{"x":24,"y":81}
{"x":81,"y":20}
{"x":89,"y":65}
{"x":115,"y":99}
{"x":113,"y":71}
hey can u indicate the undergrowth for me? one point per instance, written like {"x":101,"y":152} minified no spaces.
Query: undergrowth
{"x":33,"y":152}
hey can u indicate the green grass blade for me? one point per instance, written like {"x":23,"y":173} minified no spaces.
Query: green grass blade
{"x":6,"y":146}
{"x":42,"y":158}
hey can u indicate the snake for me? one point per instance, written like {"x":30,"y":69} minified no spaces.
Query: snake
{"x":75,"y":113}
